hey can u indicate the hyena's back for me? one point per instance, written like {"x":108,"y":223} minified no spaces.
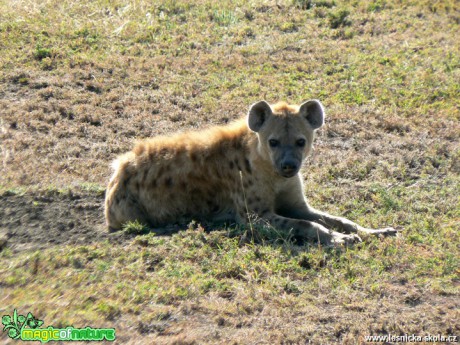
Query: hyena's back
{"x":169,"y":179}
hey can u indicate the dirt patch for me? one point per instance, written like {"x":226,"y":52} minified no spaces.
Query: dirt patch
{"x":38,"y":220}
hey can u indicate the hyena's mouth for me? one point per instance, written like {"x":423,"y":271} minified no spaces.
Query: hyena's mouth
{"x":288,"y":169}
{"x":289,"y":174}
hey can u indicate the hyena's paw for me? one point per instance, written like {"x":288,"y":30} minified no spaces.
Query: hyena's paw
{"x":383,"y":232}
{"x":343,"y":239}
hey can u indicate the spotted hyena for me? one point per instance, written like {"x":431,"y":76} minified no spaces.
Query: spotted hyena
{"x":251,"y":166}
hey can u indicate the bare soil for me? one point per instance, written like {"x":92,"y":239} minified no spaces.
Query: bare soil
{"x":37,"y":220}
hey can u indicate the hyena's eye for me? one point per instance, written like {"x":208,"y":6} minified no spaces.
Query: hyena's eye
{"x":300,"y":142}
{"x":273,"y":142}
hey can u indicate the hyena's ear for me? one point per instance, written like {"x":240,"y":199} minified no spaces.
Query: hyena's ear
{"x":314,"y":113}
{"x":258,"y":114}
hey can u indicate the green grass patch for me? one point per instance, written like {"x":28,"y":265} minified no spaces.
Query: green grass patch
{"x":135,"y":228}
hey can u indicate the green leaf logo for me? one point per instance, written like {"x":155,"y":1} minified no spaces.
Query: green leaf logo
{"x":14,"y":325}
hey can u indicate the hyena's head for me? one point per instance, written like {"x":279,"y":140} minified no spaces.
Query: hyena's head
{"x":285,"y":132}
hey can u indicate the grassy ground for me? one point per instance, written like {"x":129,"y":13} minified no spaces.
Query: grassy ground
{"x":80,"y":81}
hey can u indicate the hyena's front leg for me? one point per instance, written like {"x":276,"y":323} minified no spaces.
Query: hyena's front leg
{"x":294,"y":205}
{"x":303,"y":211}
{"x":310,"y":230}
{"x":343,"y":224}
{"x":301,"y":228}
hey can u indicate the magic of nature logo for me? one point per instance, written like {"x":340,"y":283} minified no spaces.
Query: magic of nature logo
{"x":27,"y":328}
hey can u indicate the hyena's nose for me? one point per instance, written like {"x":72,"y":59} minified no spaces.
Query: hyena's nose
{"x":289,"y":167}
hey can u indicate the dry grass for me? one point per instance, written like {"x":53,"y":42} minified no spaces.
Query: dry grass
{"x":81,"y":81}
